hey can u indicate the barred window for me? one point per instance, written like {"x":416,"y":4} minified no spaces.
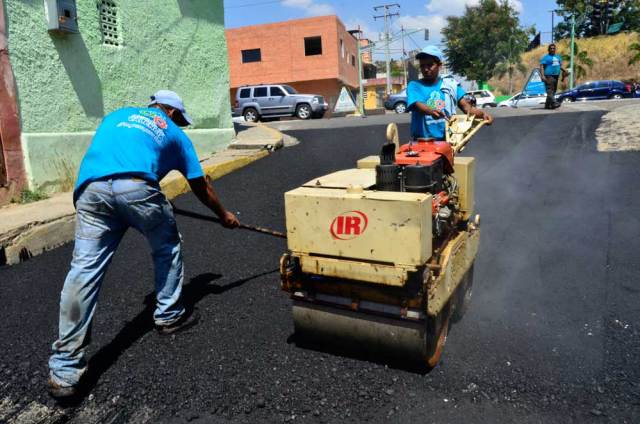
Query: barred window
{"x":109,"y":25}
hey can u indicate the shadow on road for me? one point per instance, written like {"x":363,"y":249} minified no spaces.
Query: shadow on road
{"x":198,"y":288}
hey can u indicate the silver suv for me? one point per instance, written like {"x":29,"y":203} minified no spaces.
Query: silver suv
{"x":271,"y":101}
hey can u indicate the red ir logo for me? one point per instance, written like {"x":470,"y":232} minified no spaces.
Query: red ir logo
{"x":348,"y":225}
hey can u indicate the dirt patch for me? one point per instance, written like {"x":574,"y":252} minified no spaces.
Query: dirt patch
{"x":620,"y":130}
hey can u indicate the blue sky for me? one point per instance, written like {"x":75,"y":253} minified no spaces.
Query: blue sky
{"x":413,"y":14}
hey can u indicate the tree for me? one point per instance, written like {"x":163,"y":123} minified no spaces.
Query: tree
{"x":581,"y":59}
{"x":635,"y":51}
{"x":588,"y":23}
{"x":508,"y":67}
{"x":395,"y":66}
{"x":475,"y":42}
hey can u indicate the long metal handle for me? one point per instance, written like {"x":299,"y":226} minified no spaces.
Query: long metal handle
{"x":254,"y":228}
{"x":458,"y":148}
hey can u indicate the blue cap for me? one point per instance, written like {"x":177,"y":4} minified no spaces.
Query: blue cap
{"x":431,"y":51}
{"x":170,"y":98}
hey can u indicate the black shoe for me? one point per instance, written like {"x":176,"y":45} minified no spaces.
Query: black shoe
{"x":61,"y":392}
{"x":185,"y":322}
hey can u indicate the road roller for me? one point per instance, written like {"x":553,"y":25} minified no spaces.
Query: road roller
{"x":380,"y":257}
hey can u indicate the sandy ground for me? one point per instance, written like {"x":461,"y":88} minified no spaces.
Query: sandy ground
{"x":620,"y":130}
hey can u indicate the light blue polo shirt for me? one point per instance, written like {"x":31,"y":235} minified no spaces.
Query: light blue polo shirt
{"x":424,"y":126}
{"x":138,"y":142}
{"x":551,"y":64}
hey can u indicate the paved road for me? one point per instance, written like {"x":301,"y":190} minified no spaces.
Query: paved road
{"x":552,"y":334}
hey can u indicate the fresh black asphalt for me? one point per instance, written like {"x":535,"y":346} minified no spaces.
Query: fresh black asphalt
{"x":552,"y":334}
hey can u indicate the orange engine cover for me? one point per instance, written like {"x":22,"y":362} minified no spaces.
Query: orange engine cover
{"x":426,"y":152}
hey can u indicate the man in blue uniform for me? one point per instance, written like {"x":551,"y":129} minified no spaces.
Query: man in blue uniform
{"x":433,"y":99}
{"x":117,"y":188}
{"x":550,"y":69}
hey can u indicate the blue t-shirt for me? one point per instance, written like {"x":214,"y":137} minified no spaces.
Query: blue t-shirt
{"x":551,"y":64}
{"x":424,"y":126}
{"x":139,"y":142}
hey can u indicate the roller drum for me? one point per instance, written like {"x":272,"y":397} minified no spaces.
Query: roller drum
{"x":380,"y":336}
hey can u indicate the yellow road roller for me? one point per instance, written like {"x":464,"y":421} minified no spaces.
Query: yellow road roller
{"x":380,"y":257}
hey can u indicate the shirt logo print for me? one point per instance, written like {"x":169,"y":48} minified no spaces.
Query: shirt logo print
{"x":435,"y":101}
{"x":161,"y":123}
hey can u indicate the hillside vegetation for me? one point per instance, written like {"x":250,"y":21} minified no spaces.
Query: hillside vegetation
{"x":610,"y":56}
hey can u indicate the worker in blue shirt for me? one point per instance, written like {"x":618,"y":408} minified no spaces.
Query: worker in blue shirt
{"x":433,"y":99}
{"x":550,"y":69}
{"x":117,"y":188}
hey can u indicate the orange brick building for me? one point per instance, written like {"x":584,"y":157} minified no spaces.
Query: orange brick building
{"x":314,"y":55}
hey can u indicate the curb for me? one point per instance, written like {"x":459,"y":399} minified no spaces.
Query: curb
{"x":271,"y":145}
{"x":38,"y":237}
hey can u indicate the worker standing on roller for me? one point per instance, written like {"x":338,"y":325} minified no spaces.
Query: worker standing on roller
{"x":433,"y":99}
{"x":117,"y":188}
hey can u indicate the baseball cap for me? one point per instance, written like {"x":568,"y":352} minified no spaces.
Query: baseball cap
{"x":170,"y":98}
{"x":431,"y":51}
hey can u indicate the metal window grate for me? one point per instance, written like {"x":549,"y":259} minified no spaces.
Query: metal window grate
{"x":109,"y":25}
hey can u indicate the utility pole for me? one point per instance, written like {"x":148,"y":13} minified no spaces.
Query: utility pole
{"x":387,"y":20}
{"x":552,"y":25}
{"x":573,"y":33}
{"x":404,"y":61}
{"x":360,"y":76}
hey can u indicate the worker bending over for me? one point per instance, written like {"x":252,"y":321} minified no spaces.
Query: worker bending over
{"x":117,"y":188}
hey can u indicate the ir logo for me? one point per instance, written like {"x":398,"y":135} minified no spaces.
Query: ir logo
{"x":348,"y":225}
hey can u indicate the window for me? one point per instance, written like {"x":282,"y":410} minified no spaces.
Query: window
{"x":276,"y":92}
{"x":260,"y":92}
{"x":252,"y":55}
{"x":601,"y":84}
{"x":108,"y":13}
{"x":290,"y":89}
{"x":312,"y":46}
{"x":245,"y":93}
{"x":353,"y":60}
{"x":479,"y":93}
{"x":342,"y":48}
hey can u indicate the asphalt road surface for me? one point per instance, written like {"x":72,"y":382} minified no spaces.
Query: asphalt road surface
{"x":552,"y":334}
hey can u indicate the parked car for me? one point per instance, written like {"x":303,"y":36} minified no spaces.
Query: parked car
{"x":524,"y":100}
{"x":397,"y":102}
{"x":484,"y":98}
{"x":596,"y":90}
{"x":277,"y":100}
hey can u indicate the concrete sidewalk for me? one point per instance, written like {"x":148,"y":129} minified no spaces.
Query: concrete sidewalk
{"x":27,"y":230}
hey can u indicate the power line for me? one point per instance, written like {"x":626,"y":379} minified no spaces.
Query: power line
{"x":387,"y":18}
{"x":414,"y":41}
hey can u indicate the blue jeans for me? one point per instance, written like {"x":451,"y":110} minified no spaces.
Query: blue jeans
{"x":104,"y":212}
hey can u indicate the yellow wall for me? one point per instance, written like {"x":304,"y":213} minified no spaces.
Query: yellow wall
{"x":373,"y":100}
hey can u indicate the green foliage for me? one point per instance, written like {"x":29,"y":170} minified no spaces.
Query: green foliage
{"x":509,"y":66}
{"x":486,"y":35}
{"x":586,"y":23}
{"x":580,"y":60}
{"x":634,"y":49}
{"x":28,"y":196}
{"x":394,"y":65}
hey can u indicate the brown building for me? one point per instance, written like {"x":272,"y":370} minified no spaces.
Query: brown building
{"x":314,"y":55}
{"x":367,"y":56}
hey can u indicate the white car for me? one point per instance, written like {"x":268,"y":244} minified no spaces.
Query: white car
{"x":484,"y":98}
{"x":526,"y":100}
